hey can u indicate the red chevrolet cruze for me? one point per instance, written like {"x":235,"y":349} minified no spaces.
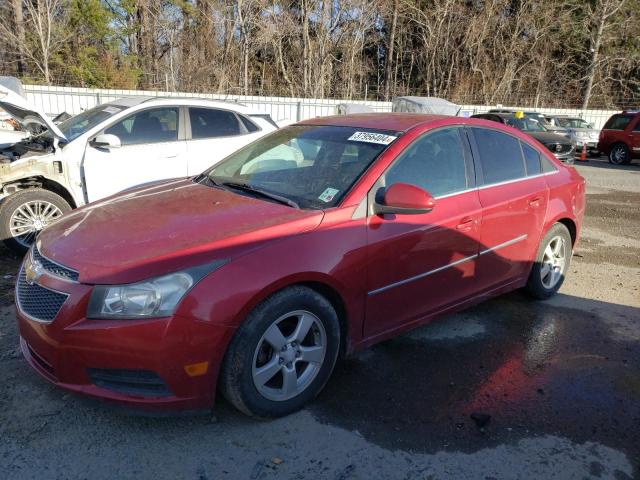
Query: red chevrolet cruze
{"x":323,"y":238}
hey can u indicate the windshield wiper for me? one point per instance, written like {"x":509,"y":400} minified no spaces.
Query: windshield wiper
{"x":263,"y":193}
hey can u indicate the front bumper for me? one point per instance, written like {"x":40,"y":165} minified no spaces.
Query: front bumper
{"x":144,"y":360}
{"x":592,"y":145}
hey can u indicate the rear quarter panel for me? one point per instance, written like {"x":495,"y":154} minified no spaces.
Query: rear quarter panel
{"x":566,"y":198}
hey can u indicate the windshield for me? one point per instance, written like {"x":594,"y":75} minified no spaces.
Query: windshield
{"x":312,"y":166}
{"x":574,"y":123}
{"x":83,"y":122}
{"x":526,"y":124}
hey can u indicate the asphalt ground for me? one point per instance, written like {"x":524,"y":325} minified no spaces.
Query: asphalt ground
{"x":509,"y":389}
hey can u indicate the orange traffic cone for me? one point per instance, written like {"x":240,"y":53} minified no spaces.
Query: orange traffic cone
{"x":583,"y":155}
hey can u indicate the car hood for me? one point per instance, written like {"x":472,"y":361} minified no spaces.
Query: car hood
{"x":548,"y":137}
{"x":167,"y":227}
{"x":26,"y":114}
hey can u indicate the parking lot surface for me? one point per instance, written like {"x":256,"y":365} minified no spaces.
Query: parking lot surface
{"x":509,"y":389}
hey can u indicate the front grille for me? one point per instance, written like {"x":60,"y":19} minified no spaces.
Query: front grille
{"x":54,"y":268}
{"x":38,"y":302}
{"x":560,"y":148}
{"x":142,"y":383}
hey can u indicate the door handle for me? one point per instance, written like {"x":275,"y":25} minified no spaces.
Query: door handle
{"x":173,"y":155}
{"x":535,"y":202}
{"x":466,"y":223}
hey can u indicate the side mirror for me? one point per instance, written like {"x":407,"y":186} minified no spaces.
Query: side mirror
{"x":105,"y":140}
{"x":404,"y":199}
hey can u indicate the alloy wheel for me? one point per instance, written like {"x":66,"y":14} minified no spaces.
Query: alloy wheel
{"x":619,"y":155}
{"x":31,"y":217}
{"x":553,"y":262}
{"x":289,"y":355}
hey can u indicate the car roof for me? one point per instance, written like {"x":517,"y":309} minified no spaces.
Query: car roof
{"x":397,"y":122}
{"x":129,"y":102}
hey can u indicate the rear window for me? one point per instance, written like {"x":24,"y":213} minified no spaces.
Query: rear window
{"x":500,"y":156}
{"x":618,"y":122}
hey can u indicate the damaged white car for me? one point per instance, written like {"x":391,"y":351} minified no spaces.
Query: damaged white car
{"x":107,"y":149}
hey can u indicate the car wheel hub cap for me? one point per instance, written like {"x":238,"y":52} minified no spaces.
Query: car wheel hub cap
{"x":31,"y":217}
{"x":289,"y":355}
{"x":553,"y":262}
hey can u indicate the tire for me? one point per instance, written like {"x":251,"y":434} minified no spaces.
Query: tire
{"x":253,"y":372}
{"x":548,"y":273}
{"x":619,"y":154}
{"x":37,"y":205}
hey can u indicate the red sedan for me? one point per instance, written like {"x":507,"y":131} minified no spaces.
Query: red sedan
{"x":320,"y":239}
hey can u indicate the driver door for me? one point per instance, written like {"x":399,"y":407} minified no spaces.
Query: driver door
{"x":420,"y":264}
{"x":152,"y":148}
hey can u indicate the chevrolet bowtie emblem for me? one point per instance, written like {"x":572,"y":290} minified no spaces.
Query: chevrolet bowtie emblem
{"x":33,"y":271}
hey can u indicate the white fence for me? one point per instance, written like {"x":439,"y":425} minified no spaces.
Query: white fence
{"x":54,"y":100}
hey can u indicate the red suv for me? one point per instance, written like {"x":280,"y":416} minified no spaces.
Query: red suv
{"x":322,"y":238}
{"x":620,"y":137}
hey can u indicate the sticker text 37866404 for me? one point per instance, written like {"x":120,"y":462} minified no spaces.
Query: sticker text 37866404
{"x":372,"y":137}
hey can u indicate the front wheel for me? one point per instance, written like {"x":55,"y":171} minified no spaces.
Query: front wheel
{"x":25,"y":213}
{"x":619,"y":154}
{"x":552,"y":263}
{"x":282,"y":355}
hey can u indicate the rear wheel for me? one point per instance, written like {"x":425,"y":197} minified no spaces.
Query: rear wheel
{"x":619,"y":154}
{"x":25,"y":213}
{"x":282,"y":355}
{"x":552,"y":263}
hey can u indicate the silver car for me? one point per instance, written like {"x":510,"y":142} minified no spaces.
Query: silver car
{"x":580,"y":132}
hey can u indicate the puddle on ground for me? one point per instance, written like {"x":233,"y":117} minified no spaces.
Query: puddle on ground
{"x":536,"y":369}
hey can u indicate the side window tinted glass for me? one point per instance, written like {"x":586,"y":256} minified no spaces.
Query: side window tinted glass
{"x":500,"y":156}
{"x":637,"y":127}
{"x":248,"y":124}
{"x":148,"y":126}
{"x":531,"y":159}
{"x":211,"y":123}
{"x":434,"y":162}
{"x":618,"y":122}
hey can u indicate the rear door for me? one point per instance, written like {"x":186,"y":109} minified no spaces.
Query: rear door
{"x":151,"y":149}
{"x":419,"y":264}
{"x":514,"y":196}
{"x":214,"y":133}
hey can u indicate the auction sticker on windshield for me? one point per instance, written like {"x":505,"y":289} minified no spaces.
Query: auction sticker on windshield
{"x":371,"y":137}
{"x":328,"y":194}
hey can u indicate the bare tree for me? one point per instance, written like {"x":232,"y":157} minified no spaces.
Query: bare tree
{"x":42,"y":31}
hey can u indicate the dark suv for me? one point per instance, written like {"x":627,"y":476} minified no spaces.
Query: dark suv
{"x":620,"y":137}
{"x":559,"y":145}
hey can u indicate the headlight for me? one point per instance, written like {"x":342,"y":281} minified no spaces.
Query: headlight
{"x":154,"y":298}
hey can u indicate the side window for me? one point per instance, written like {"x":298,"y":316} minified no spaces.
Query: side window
{"x":618,"y":122}
{"x":637,"y":127}
{"x":500,"y":156}
{"x":148,"y":126}
{"x":531,"y":159}
{"x":248,"y":124}
{"x":212,"y":123}
{"x":434,"y":162}
{"x":547,"y":166}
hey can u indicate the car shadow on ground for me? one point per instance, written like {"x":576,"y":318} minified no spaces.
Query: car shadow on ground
{"x":521,"y":368}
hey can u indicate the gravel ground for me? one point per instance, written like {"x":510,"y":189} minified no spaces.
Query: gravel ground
{"x":556,"y":384}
